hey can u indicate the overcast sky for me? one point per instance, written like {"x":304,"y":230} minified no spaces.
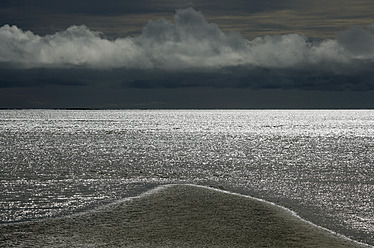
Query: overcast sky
{"x":187,"y":54}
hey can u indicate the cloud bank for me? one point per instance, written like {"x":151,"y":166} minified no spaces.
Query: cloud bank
{"x":189,"y":52}
{"x":188,"y":43}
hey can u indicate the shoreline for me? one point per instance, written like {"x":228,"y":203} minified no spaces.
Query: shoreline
{"x":177,"y":215}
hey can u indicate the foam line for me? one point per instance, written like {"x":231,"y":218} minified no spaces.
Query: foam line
{"x":178,"y":215}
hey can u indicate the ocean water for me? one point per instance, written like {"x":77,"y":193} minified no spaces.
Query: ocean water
{"x":319,"y":163}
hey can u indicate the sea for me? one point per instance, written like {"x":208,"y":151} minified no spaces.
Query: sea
{"x":317,"y":163}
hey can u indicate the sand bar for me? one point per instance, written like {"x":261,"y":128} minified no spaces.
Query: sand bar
{"x":176,"y":216}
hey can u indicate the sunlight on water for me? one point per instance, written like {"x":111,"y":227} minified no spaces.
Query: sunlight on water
{"x":319,"y":163}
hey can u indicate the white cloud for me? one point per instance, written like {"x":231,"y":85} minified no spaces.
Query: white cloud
{"x":188,"y":43}
{"x":77,"y":46}
{"x":358,"y":42}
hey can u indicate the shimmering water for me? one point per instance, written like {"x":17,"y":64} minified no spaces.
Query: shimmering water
{"x":319,"y":163}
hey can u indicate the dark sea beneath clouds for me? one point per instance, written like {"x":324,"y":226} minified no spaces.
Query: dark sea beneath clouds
{"x":318,"y":163}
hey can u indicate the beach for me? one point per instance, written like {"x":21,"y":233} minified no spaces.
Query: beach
{"x":176,"y":216}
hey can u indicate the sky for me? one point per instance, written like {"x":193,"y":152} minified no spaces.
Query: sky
{"x":187,"y":54}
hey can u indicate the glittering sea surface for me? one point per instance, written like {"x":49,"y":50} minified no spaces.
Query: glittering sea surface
{"x":319,"y":163}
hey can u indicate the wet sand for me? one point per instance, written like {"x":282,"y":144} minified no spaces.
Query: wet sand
{"x":176,"y":216}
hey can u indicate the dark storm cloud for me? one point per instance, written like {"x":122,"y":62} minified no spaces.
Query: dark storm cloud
{"x":97,"y":7}
{"x":115,"y":7}
{"x":189,"y":52}
{"x":13,"y":77}
{"x":252,"y":18}
{"x":259,"y":79}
